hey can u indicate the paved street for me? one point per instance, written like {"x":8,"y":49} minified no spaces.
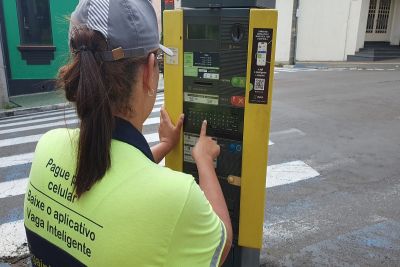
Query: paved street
{"x":345,"y":125}
{"x":333,"y":176}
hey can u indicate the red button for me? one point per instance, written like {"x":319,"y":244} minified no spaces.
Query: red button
{"x":238,"y":101}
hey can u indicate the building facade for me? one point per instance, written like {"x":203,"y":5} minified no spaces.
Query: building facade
{"x":329,"y":30}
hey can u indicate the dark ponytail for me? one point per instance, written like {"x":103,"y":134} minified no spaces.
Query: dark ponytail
{"x":98,"y":89}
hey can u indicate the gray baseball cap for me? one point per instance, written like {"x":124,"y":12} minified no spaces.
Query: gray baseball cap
{"x":129,"y":26}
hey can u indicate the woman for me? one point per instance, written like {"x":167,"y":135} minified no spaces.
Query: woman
{"x":96,"y":195}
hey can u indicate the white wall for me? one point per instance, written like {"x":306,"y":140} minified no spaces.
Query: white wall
{"x":285,"y":11}
{"x":353,"y":27}
{"x":395,"y":35}
{"x":326,"y":29}
{"x":363,"y":24}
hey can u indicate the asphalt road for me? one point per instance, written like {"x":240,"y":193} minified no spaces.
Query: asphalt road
{"x":334,"y":167}
{"x":346,"y":125}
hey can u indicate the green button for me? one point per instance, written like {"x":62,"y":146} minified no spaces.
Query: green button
{"x":239,"y":82}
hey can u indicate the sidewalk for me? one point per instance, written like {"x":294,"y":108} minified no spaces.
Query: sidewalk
{"x":393,"y":64}
{"x":54,"y":100}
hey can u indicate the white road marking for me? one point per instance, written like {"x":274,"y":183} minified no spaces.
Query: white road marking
{"x":13,"y":188}
{"x":162,"y":162}
{"x":159,"y":102}
{"x":59,"y":112}
{"x":27,"y":158}
{"x":149,"y":121}
{"x":16,"y":160}
{"x":155,"y":110}
{"x":37,"y":120}
{"x":289,"y":131}
{"x":35,"y":138}
{"x":20,"y":140}
{"x":270,"y":143}
{"x":151,"y":138}
{"x":280,"y":174}
{"x":289,"y":172}
{"x":40,"y":126}
{"x":13,"y":239}
{"x":38,"y":115}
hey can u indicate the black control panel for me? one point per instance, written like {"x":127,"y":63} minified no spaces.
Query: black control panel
{"x":215,"y":64}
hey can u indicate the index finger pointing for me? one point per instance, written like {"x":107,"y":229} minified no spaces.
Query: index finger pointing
{"x":203,"y":131}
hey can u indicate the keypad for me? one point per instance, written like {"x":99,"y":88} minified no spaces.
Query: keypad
{"x":219,"y":121}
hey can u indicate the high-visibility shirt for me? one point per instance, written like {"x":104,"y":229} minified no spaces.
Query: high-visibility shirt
{"x":138,"y":214}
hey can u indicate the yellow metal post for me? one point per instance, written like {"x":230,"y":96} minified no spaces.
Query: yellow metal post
{"x":255,"y":142}
{"x":173,"y":79}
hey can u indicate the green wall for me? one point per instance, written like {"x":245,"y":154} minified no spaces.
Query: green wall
{"x":60,"y":10}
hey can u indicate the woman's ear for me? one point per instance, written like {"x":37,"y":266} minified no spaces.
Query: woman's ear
{"x":148,"y":72}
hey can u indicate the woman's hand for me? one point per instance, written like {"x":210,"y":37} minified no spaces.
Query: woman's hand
{"x":206,"y":149}
{"x":169,"y":136}
{"x":168,"y":133}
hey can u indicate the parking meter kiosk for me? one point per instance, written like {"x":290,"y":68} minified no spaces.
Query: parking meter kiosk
{"x":222,"y":71}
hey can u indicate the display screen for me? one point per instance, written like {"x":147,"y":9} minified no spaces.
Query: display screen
{"x":202,"y":32}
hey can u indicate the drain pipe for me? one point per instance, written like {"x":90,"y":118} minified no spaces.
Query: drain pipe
{"x":293,"y":38}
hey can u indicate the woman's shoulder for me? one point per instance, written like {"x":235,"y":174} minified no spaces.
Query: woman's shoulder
{"x":170,"y":175}
{"x":59,"y":134}
{"x":57,"y":139}
{"x":169,"y":180}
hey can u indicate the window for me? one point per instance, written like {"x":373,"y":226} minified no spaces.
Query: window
{"x":34,"y":22}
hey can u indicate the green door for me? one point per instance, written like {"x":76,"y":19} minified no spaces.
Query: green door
{"x":34,"y":36}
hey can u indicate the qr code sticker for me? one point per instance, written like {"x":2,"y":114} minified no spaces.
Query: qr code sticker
{"x":259,"y":84}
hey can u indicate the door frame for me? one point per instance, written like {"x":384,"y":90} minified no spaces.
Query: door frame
{"x":6,"y":59}
{"x":381,"y":37}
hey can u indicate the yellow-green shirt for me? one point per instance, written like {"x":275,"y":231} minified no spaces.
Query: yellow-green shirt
{"x":138,"y":214}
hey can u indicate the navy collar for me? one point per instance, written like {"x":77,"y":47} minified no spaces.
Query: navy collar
{"x":125,"y":132}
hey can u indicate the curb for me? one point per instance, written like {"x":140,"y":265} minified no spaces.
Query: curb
{"x":24,"y":111}
{"x":348,"y":66}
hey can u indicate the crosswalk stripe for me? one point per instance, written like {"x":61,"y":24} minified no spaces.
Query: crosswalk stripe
{"x":13,"y":233}
{"x":13,"y":188}
{"x":40,"y":126}
{"x":37,"y":120}
{"x":57,"y":112}
{"x":20,"y":140}
{"x":38,"y":115}
{"x":277,"y":175}
{"x":159,"y":102}
{"x":16,"y":160}
{"x":151,"y":138}
{"x":280,"y":174}
{"x":149,"y":121}
{"x":27,"y":158}
{"x":289,"y":172}
{"x":12,"y":239}
{"x":155,"y":110}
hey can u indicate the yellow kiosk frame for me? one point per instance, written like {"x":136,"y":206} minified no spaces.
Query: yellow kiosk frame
{"x":256,"y":126}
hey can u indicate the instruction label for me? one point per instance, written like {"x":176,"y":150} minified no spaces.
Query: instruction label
{"x":174,"y":59}
{"x":260,"y":66}
{"x":201,"y":98}
{"x":201,"y":65}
